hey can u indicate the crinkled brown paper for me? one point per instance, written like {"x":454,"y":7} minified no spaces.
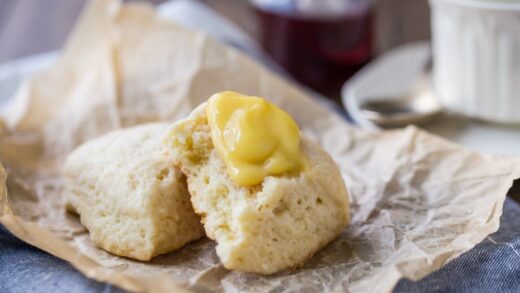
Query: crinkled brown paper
{"x":417,"y":201}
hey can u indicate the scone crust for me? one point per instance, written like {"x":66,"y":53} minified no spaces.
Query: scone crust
{"x":129,"y":195}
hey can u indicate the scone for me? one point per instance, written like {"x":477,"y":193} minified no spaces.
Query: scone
{"x":129,"y":195}
{"x":268,"y":227}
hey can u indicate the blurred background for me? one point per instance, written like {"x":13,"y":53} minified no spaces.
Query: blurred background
{"x":29,"y":27}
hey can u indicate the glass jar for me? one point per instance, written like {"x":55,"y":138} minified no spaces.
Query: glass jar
{"x":321,"y":43}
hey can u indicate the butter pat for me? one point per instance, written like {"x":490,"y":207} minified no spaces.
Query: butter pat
{"x":253,"y":137}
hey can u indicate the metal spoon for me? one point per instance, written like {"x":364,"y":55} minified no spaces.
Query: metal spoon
{"x":417,"y":106}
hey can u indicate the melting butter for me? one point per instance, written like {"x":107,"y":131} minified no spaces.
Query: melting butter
{"x":253,"y":137}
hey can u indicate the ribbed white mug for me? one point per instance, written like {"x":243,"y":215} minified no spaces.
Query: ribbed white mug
{"x":476,"y":48}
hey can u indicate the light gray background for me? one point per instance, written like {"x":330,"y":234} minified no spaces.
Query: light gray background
{"x":29,"y":27}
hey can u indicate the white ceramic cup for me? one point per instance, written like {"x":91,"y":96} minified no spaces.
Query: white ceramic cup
{"x":476,"y":48}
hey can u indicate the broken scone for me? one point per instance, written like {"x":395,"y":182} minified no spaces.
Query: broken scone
{"x":128,"y":194}
{"x":269,"y":197}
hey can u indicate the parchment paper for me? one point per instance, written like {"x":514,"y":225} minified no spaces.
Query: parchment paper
{"x":417,"y":201}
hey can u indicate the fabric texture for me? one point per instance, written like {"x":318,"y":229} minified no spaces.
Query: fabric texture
{"x":492,"y":266}
{"x":24,"y":268}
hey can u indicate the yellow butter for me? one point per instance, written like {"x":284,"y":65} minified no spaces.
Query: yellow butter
{"x":253,"y":137}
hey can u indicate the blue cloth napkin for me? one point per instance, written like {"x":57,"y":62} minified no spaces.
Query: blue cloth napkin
{"x":492,"y":266}
{"x":24,"y":268}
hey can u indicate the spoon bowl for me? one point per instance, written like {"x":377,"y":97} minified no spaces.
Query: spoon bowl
{"x":418,"y":107}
